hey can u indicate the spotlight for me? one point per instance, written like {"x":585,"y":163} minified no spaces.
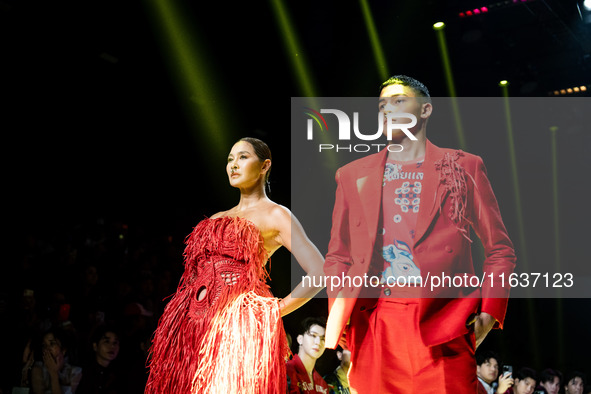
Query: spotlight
{"x":504,"y":83}
{"x":584,"y":7}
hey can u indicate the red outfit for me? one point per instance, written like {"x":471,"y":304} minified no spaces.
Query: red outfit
{"x":455,"y":194}
{"x":299,"y":381}
{"x":222,"y":331}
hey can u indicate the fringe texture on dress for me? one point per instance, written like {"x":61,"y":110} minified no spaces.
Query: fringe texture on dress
{"x":222,"y":331}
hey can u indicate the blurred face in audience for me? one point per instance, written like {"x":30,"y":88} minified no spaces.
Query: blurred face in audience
{"x":488,"y":370}
{"x":53,"y":346}
{"x":524,"y":386}
{"x":107,"y":348}
{"x":312,"y":342}
{"x":574,"y":386}
{"x":551,"y":386}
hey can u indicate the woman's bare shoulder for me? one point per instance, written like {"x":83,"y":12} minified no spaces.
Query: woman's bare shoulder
{"x":221,"y":214}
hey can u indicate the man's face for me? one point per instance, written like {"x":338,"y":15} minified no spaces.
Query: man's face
{"x":107,"y":347}
{"x":396,"y":99}
{"x":524,"y":386}
{"x":552,"y":386}
{"x":312,"y":342}
{"x":488,"y":370}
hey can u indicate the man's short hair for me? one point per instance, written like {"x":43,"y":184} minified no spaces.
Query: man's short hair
{"x":548,"y":375}
{"x":308,"y":322}
{"x":482,"y":357}
{"x":101,"y":331}
{"x":525,"y":373}
{"x":418,"y":87}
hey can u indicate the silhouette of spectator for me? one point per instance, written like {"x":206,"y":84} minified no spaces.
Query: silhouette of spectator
{"x":337,"y":381}
{"x":100,"y":375}
{"x":574,"y":383}
{"x":550,"y":380}
{"x":54,"y":375}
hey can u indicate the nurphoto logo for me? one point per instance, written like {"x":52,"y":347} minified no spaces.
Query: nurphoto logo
{"x":391,"y":122}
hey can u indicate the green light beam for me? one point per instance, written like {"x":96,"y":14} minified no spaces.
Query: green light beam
{"x":299,"y":65}
{"x":531,"y":316}
{"x":559,"y":309}
{"x":439,"y":28}
{"x":374,"y":38}
{"x":515,"y":175}
{"x":194,"y":79}
{"x":294,"y":52}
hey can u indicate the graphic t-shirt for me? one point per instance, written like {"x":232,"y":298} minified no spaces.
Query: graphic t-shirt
{"x":401,"y":198}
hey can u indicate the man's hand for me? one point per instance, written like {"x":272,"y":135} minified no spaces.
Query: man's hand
{"x":505,"y":381}
{"x":483,"y":323}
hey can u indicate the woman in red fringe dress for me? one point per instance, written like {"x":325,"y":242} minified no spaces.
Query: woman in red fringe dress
{"x":222,"y":331}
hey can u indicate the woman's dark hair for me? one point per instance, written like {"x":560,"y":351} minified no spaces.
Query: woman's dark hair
{"x":548,"y":375}
{"x":263,"y":153}
{"x":574,"y":374}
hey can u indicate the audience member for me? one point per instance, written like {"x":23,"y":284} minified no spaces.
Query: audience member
{"x":549,"y":381}
{"x":574,"y":383}
{"x":487,"y":371}
{"x":337,"y":381}
{"x":525,"y":381}
{"x":100,"y":377}
{"x":54,"y":375}
{"x":301,"y":375}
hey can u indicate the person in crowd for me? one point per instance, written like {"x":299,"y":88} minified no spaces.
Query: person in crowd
{"x":574,"y":383}
{"x":487,"y":371}
{"x":525,"y":381}
{"x":54,"y":375}
{"x":337,"y":380}
{"x":302,"y":378}
{"x":100,"y":376}
{"x":549,"y":381}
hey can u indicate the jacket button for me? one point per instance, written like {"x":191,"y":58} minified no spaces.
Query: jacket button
{"x":362,"y":308}
{"x":357,"y":222}
{"x":362,"y":261}
{"x":448,"y":249}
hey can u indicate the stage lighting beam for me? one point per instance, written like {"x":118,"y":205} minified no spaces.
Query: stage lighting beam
{"x":515,"y":176}
{"x":195,"y":79}
{"x":294,"y":51}
{"x":374,"y":38}
{"x":439,"y":28}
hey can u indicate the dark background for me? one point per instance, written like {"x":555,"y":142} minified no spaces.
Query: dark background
{"x":100,"y":132}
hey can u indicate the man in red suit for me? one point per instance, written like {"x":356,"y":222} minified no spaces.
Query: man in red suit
{"x":402,"y":219}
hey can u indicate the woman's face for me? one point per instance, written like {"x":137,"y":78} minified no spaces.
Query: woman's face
{"x":54,"y":347}
{"x":244,"y":168}
{"x":574,"y":386}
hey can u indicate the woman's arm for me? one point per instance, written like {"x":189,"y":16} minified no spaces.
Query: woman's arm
{"x":291,"y":234}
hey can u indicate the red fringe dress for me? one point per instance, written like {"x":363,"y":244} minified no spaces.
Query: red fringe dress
{"x":231,"y":341}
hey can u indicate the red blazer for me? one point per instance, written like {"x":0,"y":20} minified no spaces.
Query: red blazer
{"x":456,"y":193}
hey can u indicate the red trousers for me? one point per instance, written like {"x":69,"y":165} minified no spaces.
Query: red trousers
{"x":388,"y":355}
